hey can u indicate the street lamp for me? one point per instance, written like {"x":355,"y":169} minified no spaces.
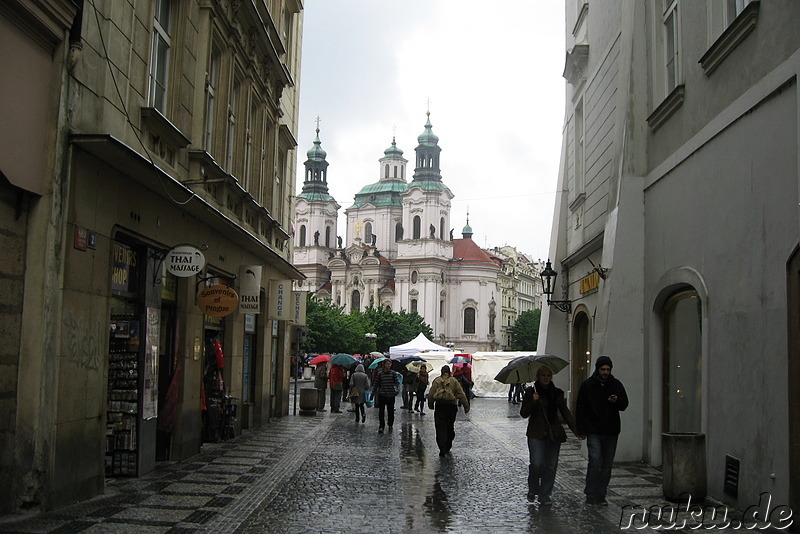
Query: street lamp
{"x":370,"y":337}
{"x":548,"y":284}
{"x":450,"y":345}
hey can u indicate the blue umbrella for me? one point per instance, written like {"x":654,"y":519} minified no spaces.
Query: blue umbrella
{"x":459,"y":359}
{"x":345,"y":360}
{"x":377,"y":362}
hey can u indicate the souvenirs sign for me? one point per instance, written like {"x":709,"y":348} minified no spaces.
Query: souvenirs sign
{"x":185,"y":260}
{"x":217,"y":301}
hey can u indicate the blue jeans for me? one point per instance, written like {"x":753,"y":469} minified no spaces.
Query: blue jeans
{"x":542,"y":469}
{"x":601,"y":457}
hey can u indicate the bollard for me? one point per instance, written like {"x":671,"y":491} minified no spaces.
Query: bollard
{"x":308,"y":401}
{"x":684,"y":465}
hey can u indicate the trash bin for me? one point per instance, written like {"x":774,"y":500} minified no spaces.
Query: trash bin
{"x":308,"y":401}
{"x":307,"y":373}
{"x":684,"y":465}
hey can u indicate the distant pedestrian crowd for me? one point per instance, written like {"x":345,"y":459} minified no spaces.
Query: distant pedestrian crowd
{"x":600,"y":400}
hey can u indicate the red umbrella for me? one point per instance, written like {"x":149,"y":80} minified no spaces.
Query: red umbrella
{"x":322,"y":358}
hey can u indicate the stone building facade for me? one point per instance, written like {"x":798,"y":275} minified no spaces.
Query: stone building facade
{"x":676,"y":235}
{"x":155,"y":124}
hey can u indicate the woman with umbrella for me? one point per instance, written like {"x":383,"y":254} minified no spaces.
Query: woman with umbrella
{"x":422,"y":384}
{"x":541,"y":405}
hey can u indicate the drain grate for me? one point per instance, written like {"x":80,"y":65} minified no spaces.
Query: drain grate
{"x":732,"y":466}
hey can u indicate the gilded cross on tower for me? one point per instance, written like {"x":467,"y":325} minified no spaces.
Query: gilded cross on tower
{"x":318,"y":121}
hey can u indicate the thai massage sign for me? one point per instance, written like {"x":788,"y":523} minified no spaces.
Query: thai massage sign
{"x":185,"y":260}
{"x":217,"y":301}
{"x":250,"y":289}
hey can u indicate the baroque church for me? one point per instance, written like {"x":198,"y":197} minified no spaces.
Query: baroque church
{"x":399,"y":252}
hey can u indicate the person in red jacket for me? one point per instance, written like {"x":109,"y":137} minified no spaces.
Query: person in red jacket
{"x":336,"y":378}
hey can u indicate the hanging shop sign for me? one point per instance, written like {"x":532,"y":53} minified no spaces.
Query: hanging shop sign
{"x":589,"y":282}
{"x":217,"y":301}
{"x":185,"y":260}
{"x":250,"y":289}
{"x":280,"y":300}
{"x":299,"y":307}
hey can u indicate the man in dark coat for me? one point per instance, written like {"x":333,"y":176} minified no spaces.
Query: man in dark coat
{"x":600,"y":399}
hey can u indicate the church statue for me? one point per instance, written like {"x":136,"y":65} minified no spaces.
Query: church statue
{"x":339,"y":240}
{"x":316,"y":238}
{"x":451,"y":234}
{"x":433,"y":231}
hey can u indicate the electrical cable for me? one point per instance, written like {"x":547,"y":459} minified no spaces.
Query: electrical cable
{"x":127,"y":115}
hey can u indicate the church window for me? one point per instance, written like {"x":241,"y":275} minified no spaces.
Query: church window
{"x":368,"y":233}
{"x":328,"y":236}
{"x":386,"y":171}
{"x":395,"y":171}
{"x":441,"y":309}
{"x":417,"y":227}
{"x":398,"y":232}
{"x":403,"y":173}
{"x":355,"y":303}
{"x":414,"y":277}
{"x":302,"y":235}
{"x":441,"y":228}
{"x":413,"y":305}
{"x":469,"y":320}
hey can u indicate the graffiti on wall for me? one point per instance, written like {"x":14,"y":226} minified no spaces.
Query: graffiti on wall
{"x":82,"y":342}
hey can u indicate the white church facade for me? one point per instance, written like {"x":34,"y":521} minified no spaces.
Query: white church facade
{"x":399,"y":252}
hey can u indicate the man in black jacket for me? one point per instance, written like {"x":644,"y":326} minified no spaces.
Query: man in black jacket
{"x":600,"y":400}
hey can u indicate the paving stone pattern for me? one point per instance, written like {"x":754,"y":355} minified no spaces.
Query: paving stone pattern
{"x":328,"y":474}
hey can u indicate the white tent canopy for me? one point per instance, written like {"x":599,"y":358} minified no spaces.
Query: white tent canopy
{"x":485,"y":366}
{"x":418,"y":344}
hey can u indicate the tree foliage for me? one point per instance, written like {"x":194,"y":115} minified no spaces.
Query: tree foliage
{"x":330,"y":330}
{"x":525,"y":334}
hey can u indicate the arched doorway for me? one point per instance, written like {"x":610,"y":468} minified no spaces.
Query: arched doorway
{"x":581,"y":355}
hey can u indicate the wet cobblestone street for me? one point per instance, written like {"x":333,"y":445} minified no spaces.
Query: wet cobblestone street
{"x":328,"y":474}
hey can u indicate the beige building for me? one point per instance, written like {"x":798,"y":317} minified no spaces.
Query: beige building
{"x":133,"y":128}
{"x":676,"y":236}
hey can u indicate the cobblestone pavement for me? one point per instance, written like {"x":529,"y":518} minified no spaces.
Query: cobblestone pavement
{"x":328,"y":474}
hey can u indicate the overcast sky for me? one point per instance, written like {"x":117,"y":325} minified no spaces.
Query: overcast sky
{"x":492,"y":74}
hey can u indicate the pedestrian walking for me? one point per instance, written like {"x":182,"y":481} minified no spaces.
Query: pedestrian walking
{"x":337,"y":384}
{"x":410,"y":385}
{"x":422,"y":385}
{"x":445,"y":396}
{"x":463,"y":373}
{"x":600,"y":399}
{"x":541,"y":405}
{"x":359,"y":384}
{"x":385,"y":389}
{"x":321,"y":384}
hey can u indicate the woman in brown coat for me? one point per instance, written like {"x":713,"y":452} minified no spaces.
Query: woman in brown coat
{"x":541,"y":405}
